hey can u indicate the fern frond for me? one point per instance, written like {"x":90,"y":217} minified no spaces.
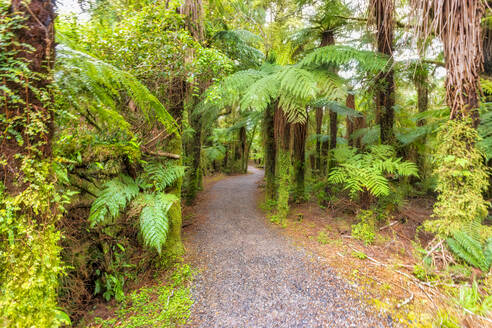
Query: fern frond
{"x":468,"y":249}
{"x":161,"y":175}
{"x":115,"y":196}
{"x":79,"y":74}
{"x":154,"y":222}
{"x":343,"y":55}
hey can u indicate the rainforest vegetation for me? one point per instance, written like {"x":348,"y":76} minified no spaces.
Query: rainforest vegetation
{"x":112,"y":116}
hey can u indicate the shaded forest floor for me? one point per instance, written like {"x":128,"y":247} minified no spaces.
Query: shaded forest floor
{"x":389,"y":270}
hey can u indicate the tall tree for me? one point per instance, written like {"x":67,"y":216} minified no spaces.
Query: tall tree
{"x":381,"y":15}
{"x":29,"y":255}
{"x":193,"y":13}
{"x":462,"y":176}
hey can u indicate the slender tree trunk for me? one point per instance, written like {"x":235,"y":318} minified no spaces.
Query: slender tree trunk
{"x":382,"y":14}
{"x":349,"y":121}
{"x":325,"y":148}
{"x":327,"y":39}
{"x":319,"y":124}
{"x":244,"y":149}
{"x":270,"y":152}
{"x":354,"y":124}
{"x":421,"y":85}
{"x":300,"y":134}
{"x":196,"y":158}
{"x":192,"y":11}
{"x":333,"y":129}
{"x":284,"y":164}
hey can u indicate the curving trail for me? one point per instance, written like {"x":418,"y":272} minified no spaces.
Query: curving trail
{"x":251,"y":276}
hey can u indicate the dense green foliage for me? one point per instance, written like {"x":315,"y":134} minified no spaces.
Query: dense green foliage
{"x":145,"y":98}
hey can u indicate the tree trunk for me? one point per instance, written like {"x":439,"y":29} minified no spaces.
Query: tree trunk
{"x":319,"y":124}
{"x":270,"y":152}
{"x":327,"y":39}
{"x":244,"y":149}
{"x":38,"y":32}
{"x":382,"y":14}
{"x":283,"y":137}
{"x":354,"y":124}
{"x":192,"y":10}
{"x":333,"y":129}
{"x":196,"y":159}
{"x":421,"y":85}
{"x":300,"y":134}
{"x":30,"y":261}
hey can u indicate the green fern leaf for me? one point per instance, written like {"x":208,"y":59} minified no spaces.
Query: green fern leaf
{"x":154,"y":222}
{"x":115,"y":196}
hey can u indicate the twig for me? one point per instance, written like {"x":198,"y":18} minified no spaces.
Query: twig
{"x":389,"y":225}
{"x":405,"y":302}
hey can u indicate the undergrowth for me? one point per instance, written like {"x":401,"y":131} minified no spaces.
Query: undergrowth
{"x":167,"y":304}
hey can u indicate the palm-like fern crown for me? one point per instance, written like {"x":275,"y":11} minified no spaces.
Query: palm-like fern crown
{"x":293,"y":86}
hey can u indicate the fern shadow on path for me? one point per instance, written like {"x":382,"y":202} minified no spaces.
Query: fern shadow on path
{"x":252,"y":276}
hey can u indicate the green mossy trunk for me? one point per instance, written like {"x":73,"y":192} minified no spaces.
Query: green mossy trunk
{"x":174,"y":245}
{"x":195,"y":149}
{"x":325,"y":147}
{"x":319,"y":124}
{"x":333,"y":135}
{"x":284,"y":183}
{"x":300,"y":134}
{"x":270,"y":153}
{"x":284,"y":163}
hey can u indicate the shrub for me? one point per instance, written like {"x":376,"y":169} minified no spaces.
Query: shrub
{"x":365,"y":230}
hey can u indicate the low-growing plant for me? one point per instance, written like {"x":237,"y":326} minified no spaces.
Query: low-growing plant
{"x":365,"y":229}
{"x":470,"y":299}
{"x":323,"y":238}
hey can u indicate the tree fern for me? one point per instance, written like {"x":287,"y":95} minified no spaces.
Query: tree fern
{"x":114,"y":198}
{"x":153,"y":219}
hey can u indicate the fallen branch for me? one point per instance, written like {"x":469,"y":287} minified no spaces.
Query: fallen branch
{"x":161,"y":154}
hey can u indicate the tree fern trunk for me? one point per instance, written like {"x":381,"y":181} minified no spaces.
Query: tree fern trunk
{"x":333,"y":129}
{"x":327,"y":39}
{"x":196,"y":158}
{"x":300,"y":134}
{"x":319,"y":124}
{"x":382,"y":12}
{"x":284,"y":165}
{"x":270,"y":153}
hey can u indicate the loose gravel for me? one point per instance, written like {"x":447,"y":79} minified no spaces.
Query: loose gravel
{"x":252,"y":276}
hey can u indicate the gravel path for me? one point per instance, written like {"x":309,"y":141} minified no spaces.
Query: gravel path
{"x":252,"y":276}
